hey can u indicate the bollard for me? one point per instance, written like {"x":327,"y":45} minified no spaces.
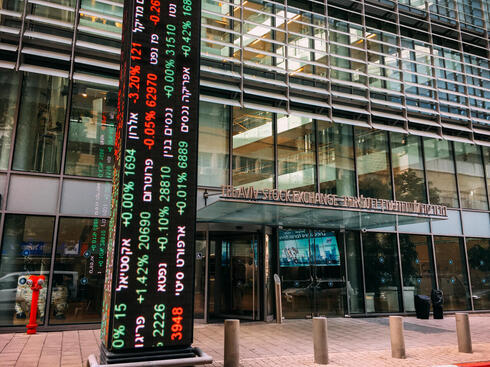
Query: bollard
{"x":277,"y":285}
{"x":232,"y":348}
{"x":320,"y":340}
{"x":396,"y":336}
{"x":463,"y":333}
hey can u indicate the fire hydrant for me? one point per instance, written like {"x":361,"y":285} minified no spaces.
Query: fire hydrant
{"x":36,"y":282}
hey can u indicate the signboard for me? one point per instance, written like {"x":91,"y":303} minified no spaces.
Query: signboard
{"x":300,"y":248}
{"x":332,"y":201}
{"x":148,"y":295}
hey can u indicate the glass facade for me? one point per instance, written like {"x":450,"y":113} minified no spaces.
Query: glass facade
{"x":91,"y":131}
{"x":382,"y":274}
{"x":451,"y":270}
{"x":79,"y":270}
{"x":26,"y":250}
{"x":308,"y":96}
{"x":253,"y":148}
{"x":373,"y":164}
{"x":39,"y":138}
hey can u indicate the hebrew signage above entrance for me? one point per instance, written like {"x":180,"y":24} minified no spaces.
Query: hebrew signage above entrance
{"x":331,"y":201}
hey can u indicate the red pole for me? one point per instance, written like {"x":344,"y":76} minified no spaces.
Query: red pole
{"x":36,"y":283}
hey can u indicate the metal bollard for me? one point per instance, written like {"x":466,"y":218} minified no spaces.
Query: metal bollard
{"x":463,"y":333}
{"x":396,"y":336}
{"x":320,"y":340}
{"x":232,"y":347}
{"x":277,"y":286}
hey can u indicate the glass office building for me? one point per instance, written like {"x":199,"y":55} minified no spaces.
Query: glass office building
{"x":385,"y":99}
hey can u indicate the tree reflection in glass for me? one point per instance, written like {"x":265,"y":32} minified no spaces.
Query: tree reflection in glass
{"x":479,"y":261}
{"x":408,"y":167}
{"x":373,"y":167}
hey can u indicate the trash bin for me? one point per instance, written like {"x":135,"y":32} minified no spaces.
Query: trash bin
{"x":437,"y":298}
{"x":422,"y":306}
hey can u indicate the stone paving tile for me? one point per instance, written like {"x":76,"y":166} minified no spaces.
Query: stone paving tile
{"x":352,"y":342}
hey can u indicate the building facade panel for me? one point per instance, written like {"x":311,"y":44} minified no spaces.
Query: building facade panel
{"x":385,"y":99}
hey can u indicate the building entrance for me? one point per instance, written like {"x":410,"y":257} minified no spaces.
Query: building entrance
{"x":234,"y":275}
{"x":312,"y":273}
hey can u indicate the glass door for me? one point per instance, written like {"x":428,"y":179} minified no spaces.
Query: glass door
{"x":296,"y":273}
{"x":312,"y":273}
{"x":328,"y":273}
{"x":233,"y":276}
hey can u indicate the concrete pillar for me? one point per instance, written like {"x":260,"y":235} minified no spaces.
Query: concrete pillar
{"x":396,"y":336}
{"x":463,"y":332}
{"x":320,"y":340}
{"x":277,"y":286}
{"x":232,"y":347}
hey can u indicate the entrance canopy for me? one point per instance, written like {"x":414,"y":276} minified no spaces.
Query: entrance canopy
{"x":291,"y":215}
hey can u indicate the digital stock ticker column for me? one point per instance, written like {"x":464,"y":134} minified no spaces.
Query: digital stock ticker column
{"x":148,"y":295}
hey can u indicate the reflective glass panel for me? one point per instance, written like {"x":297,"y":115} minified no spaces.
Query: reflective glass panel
{"x":312,"y":272}
{"x":39,"y":137}
{"x":109,"y":16}
{"x":479,"y":261}
{"x":233,"y":275}
{"x":382,"y":273}
{"x":75,"y":192}
{"x":476,"y":224}
{"x":9,"y":82}
{"x":336,"y":159}
{"x":373,"y":166}
{"x":253,"y":148}
{"x":103,"y":7}
{"x":213,"y":158}
{"x":79,"y":271}
{"x":53,"y":12}
{"x":451,"y":272}
{"x":15,"y":5}
{"x":33,"y":194}
{"x":91,"y":132}
{"x":328,"y":272}
{"x":200,"y":275}
{"x":486,"y":158}
{"x":26,"y":250}
{"x":417,"y":268}
{"x":450,"y":226}
{"x":471,"y":177}
{"x":441,"y":177}
{"x":295,"y":153}
{"x":354,"y":273}
{"x":408,"y":167}
{"x":295,"y":254}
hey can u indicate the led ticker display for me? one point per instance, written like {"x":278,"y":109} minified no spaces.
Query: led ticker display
{"x":148,"y":298}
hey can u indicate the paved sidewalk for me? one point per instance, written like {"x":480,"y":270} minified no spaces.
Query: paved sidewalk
{"x":352,"y":342}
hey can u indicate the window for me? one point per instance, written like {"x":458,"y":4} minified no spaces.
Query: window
{"x":213,"y":155}
{"x":26,"y":250}
{"x":417,"y":268}
{"x":470,"y":176}
{"x":9,"y":82}
{"x":91,"y":132}
{"x":295,"y":153}
{"x":79,"y":271}
{"x":451,"y":271}
{"x":382,"y":273}
{"x":441,"y":177}
{"x":373,"y":167}
{"x":253,"y":153}
{"x":39,"y":138}
{"x":408,"y":167}
{"x":479,"y":261}
{"x":336,"y":159}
